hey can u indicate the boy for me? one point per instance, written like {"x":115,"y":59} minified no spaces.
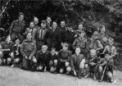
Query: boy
{"x":43,"y":59}
{"x":78,"y":63}
{"x":82,"y":43}
{"x":17,"y":56}
{"x":105,"y":69}
{"x":93,"y":60}
{"x":64,"y":58}
{"x":28,"y":50}
{"x":7,"y":47}
{"x":54,"y":60}
{"x":41,"y":32}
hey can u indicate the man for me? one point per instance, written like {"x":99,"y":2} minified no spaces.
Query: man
{"x":69,"y":37}
{"x":48,"y":21}
{"x":53,"y":37}
{"x":81,"y":42}
{"x":95,"y":43}
{"x":17,"y":28}
{"x":7,"y":51}
{"x":93,"y":63}
{"x":43,"y":59}
{"x":64,"y":58}
{"x":31,"y":30}
{"x":36,"y":22}
{"x":17,"y":55}
{"x":78,"y":63}
{"x":41,"y":32}
{"x":28,"y":50}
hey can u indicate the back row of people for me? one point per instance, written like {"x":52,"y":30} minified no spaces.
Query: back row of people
{"x":59,"y":49}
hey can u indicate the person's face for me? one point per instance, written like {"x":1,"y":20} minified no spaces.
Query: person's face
{"x":80,"y":26}
{"x":107,"y":56}
{"x":77,"y":51}
{"x":103,"y":30}
{"x":81,"y":35}
{"x":32,"y":24}
{"x":36,"y":21}
{"x":21,"y":17}
{"x":110,"y":42}
{"x":48,"y":20}
{"x":44,"y":50}
{"x":17,"y":41}
{"x":62,"y":24}
{"x":69,"y":29}
{"x":92,"y":54}
{"x":8,"y":39}
{"x":43,"y":25}
{"x":65,"y":47}
{"x":29,"y":36}
{"x":54,"y":25}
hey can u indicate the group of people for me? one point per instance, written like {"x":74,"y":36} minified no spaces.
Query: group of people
{"x":59,"y":49}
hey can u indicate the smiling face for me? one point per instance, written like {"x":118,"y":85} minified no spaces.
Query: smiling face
{"x":36,"y":20}
{"x":54,"y":25}
{"x":32,"y":24}
{"x":80,"y":26}
{"x":21,"y":17}
{"x":62,"y":24}
{"x":48,"y":20}
{"x":29,"y":36}
{"x":77,"y":51}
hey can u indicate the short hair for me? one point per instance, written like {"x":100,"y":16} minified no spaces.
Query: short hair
{"x":21,"y":13}
{"x":43,"y":21}
{"x":44,"y":47}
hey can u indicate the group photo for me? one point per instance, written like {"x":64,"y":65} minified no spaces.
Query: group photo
{"x":59,"y":43}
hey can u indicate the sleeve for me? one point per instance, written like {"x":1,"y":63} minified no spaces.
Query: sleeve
{"x":34,"y":50}
{"x":21,"y":49}
{"x":100,"y":46}
{"x":74,"y":44}
{"x":72,"y":63}
{"x":11,"y":27}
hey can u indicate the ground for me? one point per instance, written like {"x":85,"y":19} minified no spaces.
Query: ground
{"x":17,"y":77}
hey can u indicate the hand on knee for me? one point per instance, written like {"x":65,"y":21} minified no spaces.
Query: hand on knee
{"x":34,"y":60}
{"x":61,"y":70}
{"x":8,"y":60}
{"x":55,"y":62}
{"x":68,"y":69}
{"x":100,"y":69}
{"x":40,"y":68}
{"x":16,"y":60}
{"x":66,"y":64}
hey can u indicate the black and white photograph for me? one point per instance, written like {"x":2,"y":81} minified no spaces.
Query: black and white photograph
{"x":60,"y":43}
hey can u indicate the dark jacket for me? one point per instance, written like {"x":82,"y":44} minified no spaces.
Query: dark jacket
{"x":28,"y":48}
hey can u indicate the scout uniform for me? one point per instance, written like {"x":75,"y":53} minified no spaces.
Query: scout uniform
{"x":6,"y":45}
{"x":64,"y":57}
{"x":17,"y":29}
{"x":75,"y":64}
{"x":53,"y":38}
{"x":40,"y":38}
{"x":28,"y":49}
{"x":54,"y":61}
{"x":69,"y":37}
{"x":17,"y":55}
{"x":43,"y":60}
{"x":32,"y":31}
{"x":83,"y":44}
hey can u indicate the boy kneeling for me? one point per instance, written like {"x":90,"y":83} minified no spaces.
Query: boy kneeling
{"x":64,"y":58}
{"x":54,"y":61}
{"x":43,"y":59}
{"x":78,"y":63}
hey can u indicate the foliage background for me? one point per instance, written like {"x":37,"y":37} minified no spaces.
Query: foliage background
{"x":92,"y":13}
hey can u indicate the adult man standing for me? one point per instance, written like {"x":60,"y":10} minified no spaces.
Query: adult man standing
{"x":17,"y":28}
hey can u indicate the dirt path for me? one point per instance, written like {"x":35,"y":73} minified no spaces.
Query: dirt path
{"x":17,"y":77}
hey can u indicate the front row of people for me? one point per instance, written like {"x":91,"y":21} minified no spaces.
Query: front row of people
{"x":98,"y":66}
